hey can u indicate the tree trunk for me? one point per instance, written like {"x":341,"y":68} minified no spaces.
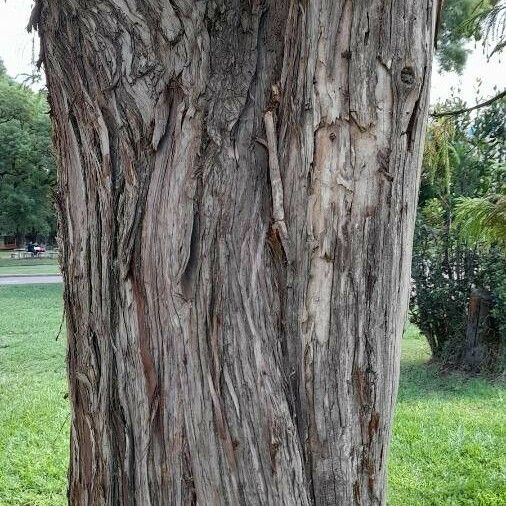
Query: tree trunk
{"x":482,"y":339}
{"x":237,"y":191}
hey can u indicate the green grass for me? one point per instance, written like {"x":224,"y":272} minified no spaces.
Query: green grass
{"x":26,"y":270}
{"x":33,"y":411}
{"x":449,"y":437}
{"x":28,"y":266}
{"x":448,"y":446}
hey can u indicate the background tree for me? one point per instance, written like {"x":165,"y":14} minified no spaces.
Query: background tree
{"x":482,"y":220}
{"x":464,"y":20}
{"x":458,"y":240}
{"x":27,"y":171}
{"x":461,"y":21}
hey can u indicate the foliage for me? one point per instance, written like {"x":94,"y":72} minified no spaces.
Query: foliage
{"x":482,"y":219}
{"x":440,"y":153}
{"x":464,"y":20}
{"x":27,"y":169}
{"x":458,"y":239}
{"x":491,"y":22}
{"x":461,"y":20}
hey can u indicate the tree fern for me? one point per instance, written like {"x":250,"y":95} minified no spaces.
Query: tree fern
{"x":482,"y":220}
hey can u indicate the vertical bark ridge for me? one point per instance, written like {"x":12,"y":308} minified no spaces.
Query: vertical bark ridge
{"x":205,"y":366}
{"x":354,"y":86}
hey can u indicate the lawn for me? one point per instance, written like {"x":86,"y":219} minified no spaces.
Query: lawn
{"x":28,"y":266}
{"x":33,"y":411}
{"x":449,"y":437}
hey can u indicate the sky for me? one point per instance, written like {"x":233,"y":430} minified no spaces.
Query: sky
{"x":18,"y":49}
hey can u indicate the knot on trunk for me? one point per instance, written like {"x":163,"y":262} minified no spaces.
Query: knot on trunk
{"x":408,"y":76}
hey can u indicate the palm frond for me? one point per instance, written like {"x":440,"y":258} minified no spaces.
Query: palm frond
{"x":482,"y":220}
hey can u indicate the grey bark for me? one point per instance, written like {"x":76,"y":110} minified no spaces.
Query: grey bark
{"x":235,"y":297}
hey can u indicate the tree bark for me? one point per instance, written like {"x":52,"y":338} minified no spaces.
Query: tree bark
{"x":237,"y":192}
{"x":482,"y":339}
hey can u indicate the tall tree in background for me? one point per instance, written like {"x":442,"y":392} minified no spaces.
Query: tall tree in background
{"x":464,"y":20}
{"x":459,"y":301}
{"x":237,"y":192}
{"x":27,"y":169}
{"x":482,"y":218}
{"x":458,"y":265}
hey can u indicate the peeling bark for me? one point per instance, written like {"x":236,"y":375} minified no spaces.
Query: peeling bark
{"x":235,"y":309}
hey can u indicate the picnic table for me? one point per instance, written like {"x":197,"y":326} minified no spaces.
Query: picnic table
{"x":20,"y":253}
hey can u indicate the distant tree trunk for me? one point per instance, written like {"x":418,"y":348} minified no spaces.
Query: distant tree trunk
{"x":237,"y":191}
{"x":482,"y":339}
{"x":20,"y":239}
